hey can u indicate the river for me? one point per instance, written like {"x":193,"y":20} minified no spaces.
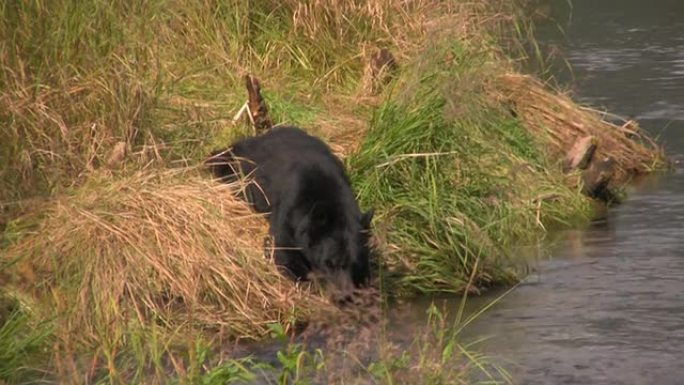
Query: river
{"x":608,"y":306}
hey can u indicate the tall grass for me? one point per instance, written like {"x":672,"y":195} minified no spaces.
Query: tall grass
{"x":164,"y":77}
{"x":152,"y":245}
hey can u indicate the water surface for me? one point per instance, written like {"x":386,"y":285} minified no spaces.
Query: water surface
{"x":608,"y":308}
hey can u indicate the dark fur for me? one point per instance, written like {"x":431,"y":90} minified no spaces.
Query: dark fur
{"x":314,"y":218}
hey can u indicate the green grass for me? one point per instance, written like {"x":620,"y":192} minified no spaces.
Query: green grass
{"x":458,"y":181}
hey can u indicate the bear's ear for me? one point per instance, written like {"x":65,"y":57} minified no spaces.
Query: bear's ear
{"x":366,"y":219}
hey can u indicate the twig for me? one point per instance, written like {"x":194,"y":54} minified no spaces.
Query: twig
{"x":239,"y":114}
{"x":397,"y":158}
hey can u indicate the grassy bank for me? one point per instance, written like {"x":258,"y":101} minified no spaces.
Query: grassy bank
{"x":122,"y":263}
{"x":459,"y":179}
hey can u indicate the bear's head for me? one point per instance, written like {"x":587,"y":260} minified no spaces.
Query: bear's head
{"x":338,"y":246}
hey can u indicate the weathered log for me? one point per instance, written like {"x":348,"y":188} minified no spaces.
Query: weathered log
{"x":258,"y":111}
{"x":580,"y":154}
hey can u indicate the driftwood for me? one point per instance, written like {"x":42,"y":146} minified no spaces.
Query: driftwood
{"x":597,"y":173}
{"x":581,"y":153}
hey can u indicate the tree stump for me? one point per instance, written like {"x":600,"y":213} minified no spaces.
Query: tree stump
{"x":258,"y":111}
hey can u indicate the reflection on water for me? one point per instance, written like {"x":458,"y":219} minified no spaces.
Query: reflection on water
{"x":609,"y":307}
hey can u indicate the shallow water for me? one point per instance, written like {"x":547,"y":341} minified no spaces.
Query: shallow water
{"x":608,"y":308}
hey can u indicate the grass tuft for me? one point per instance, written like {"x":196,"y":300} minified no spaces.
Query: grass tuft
{"x":131,"y":268}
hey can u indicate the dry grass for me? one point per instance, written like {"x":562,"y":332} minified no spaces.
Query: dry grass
{"x":171,"y":247}
{"x":555,"y":120}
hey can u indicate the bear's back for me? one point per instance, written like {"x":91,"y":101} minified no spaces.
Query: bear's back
{"x":311,"y":205}
{"x":284,"y":146}
{"x":284,"y":155}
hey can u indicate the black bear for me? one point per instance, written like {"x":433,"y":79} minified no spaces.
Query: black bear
{"x":314,"y":219}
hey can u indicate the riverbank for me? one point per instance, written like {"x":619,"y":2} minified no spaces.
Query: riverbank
{"x":125,"y":264}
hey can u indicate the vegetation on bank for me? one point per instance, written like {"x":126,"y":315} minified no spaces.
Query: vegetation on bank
{"x":123,"y":263}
